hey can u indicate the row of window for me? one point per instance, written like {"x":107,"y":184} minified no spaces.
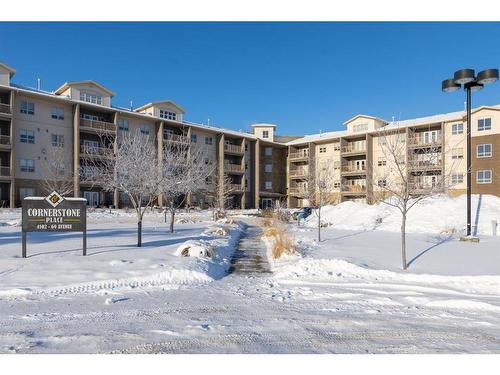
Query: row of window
{"x":28,"y":136}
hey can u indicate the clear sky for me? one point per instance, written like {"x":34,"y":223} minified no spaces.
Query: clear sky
{"x":305,"y":77}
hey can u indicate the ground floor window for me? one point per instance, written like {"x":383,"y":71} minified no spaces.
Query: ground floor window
{"x":266,"y":203}
{"x":92,"y":197}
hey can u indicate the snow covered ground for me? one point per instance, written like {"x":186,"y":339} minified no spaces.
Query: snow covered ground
{"x":346,"y":294}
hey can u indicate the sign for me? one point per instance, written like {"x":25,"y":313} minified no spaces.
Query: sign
{"x":54,"y":214}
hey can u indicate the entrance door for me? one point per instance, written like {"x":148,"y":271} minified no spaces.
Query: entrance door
{"x":92,"y":198}
{"x":267,"y":203}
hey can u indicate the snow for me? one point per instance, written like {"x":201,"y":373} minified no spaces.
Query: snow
{"x":437,"y":214}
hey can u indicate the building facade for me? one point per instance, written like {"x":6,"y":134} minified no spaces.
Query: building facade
{"x":262,"y":166}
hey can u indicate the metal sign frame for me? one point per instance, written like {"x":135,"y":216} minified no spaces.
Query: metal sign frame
{"x":54,"y":214}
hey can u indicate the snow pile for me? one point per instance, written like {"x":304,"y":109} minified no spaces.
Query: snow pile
{"x":198,"y":249}
{"x":437,"y":214}
{"x":341,"y":270}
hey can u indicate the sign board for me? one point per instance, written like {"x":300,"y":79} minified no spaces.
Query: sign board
{"x":54,"y":214}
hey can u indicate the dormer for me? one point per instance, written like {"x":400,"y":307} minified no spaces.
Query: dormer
{"x":166,"y":109}
{"x":87,"y":91}
{"x":363,"y":124}
{"x":264,"y":131}
{"x":6,"y":73}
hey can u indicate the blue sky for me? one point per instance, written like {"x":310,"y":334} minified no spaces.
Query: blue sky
{"x":305,"y":77}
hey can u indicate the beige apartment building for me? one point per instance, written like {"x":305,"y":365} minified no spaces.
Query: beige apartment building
{"x":263,"y":167}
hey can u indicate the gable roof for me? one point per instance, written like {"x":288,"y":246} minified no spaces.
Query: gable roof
{"x":365,"y":116}
{"x":159,"y":102}
{"x":11,"y":71}
{"x":66,"y":85}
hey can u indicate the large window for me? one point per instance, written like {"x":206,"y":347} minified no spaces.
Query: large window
{"x":457,"y":129}
{"x":322,"y":150}
{"x":90,"y":98}
{"x":26,"y":136}
{"x":457,"y":178}
{"x":208,"y":140}
{"x":483,"y":124}
{"x":145,"y":129}
{"x":123,"y":125}
{"x":27,"y":107}
{"x":360,"y":127}
{"x":484,"y":150}
{"x":57,"y":113}
{"x":27,"y":165}
{"x":168,"y":114}
{"x":483,"y":177}
{"x":57,"y":140}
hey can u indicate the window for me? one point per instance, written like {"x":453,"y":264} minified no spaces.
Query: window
{"x":457,"y":129}
{"x":27,"y":165}
{"x":483,"y":124}
{"x":382,"y":183}
{"x":457,"y":178}
{"x":382,"y":162}
{"x":457,"y":153}
{"x":483,"y":177}
{"x":268,"y":168}
{"x":90,"y":98}
{"x":27,"y":107}
{"x":246,"y":166}
{"x":265,"y":134}
{"x":26,"y":136}
{"x":336,"y":147}
{"x":194,"y":138}
{"x":26,"y":192}
{"x":269,"y":185}
{"x":145,"y":129}
{"x":484,"y":150}
{"x":57,"y":140}
{"x":382,"y":140}
{"x":336,"y":164}
{"x":268,"y":151}
{"x":360,"y":127}
{"x":57,"y":113}
{"x":87,"y":116}
{"x":168,"y":114}
{"x":208,"y":140}
{"x":123,"y":125}
{"x":322,"y":150}
{"x":336,"y":184}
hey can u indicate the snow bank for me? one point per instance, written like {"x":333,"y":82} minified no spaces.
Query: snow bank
{"x":436,"y":214}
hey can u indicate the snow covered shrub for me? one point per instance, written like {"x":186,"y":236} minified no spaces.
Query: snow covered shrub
{"x":194,"y":249}
{"x":217,"y":231}
{"x":281,"y":241}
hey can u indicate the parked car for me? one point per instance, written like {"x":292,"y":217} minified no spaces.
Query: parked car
{"x":303,"y":213}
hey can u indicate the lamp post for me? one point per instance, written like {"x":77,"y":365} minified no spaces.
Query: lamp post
{"x":470,"y":83}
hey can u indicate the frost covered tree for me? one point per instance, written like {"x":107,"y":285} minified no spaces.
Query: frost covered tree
{"x":413,"y":171}
{"x":222,"y":192}
{"x":56,"y":171}
{"x":131,"y":169}
{"x":184,"y":171}
{"x":319,"y":187}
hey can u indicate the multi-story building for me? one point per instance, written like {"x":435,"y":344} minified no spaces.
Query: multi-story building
{"x":263,"y":167}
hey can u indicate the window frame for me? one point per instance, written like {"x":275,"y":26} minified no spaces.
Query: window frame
{"x":455,"y":131}
{"x":27,"y":168}
{"x":58,"y":141}
{"x":483,"y":127}
{"x":484,"y":154}
{"x":26,"y":107}
{"x":483,"y":181}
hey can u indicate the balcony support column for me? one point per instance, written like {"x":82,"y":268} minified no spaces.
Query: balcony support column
{"x":257,"y":174}
{"x":116,"y":193}
{"x":189,"y":196}
{"x":220,"y":168}
{"x":76,"y":151}
{"x":159,"y":140}
{"x":243,"y":182}
{"x":12,"y":161}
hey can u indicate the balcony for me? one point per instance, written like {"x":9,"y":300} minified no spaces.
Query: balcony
{"x":5,"y":141}
{"x":425,"y":165}
{"x":353,"y":189}
{"x":352,"y":170}
{"x":299,"y":172}
{"x":425,"y":141}
{"x":234,"y":168}
{"x":5,"y":109}
{"x":98,"y":126}
{"x":299,"y":155}
{"x":94,"y":151}
{"x":353,"y":150}
{"x":4,"y":171}
{"x":298,"y":190}
{"x":235,"y":188}
{"x":178,"y":138}
{"x":233,"y":149}
{"x":422,"y":187}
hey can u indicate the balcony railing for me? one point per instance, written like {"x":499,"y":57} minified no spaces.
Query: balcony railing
{"x":298,"y":190}
{"x":169,"y":137}
{"x":420,"y":187}
{"x":420,"y":140}
{"x":5,"y":108}
{"x":96,"y":151}
{"x":230,"y":167}
{"x":353,"y":168}
{"x":235,"y":187}
{"x":4,"y":171}
{"x":304,"y":154}
{"x":354,"y":189}
{"x":425,"y":164}
{"x":5,"y":140}
{"x":233,"y":148}
{"x":353,"y":149}
{"x":299,"y":172}
{"x":97,"y":125}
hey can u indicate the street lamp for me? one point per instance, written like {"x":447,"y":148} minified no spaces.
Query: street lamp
{"x":471,"y":83}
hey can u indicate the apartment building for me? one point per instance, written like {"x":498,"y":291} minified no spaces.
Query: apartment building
{"x":262,"y":166}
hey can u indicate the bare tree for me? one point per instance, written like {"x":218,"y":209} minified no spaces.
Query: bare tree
{"x":222,"y":192}
{"x":184,"y":171}
{"x":414,"y":171}
{"x":319,"y":187}
{"x":132,"y":169}
{"x":56,"y":172}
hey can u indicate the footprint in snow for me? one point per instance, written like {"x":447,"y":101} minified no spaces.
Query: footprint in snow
{"x":112,"y":300}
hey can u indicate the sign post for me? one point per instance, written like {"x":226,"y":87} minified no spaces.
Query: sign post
{"x":54,"y":214}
